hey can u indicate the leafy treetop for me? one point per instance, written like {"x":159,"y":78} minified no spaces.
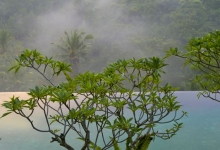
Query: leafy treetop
{"x":123,"y":105}
{"x":203,"y":55}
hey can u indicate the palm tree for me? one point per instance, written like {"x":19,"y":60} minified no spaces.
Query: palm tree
{"x":75,"y":48}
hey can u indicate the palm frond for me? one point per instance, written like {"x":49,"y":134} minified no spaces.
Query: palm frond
{"x":89,"y":37}
{"x":75,"y":46}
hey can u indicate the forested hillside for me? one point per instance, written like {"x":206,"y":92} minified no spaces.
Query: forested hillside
{"x":121,"y":29}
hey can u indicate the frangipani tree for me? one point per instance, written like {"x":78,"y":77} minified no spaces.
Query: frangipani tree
{"x":74,"y":46}
{"x":122,"y":106}
{"x":203,"y":55}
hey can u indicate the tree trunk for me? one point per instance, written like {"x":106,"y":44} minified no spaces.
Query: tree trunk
{"x":75,"y":66}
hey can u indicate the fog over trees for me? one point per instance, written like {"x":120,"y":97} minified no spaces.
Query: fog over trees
{"x":108,"y":64}
{"x":121,"y":29}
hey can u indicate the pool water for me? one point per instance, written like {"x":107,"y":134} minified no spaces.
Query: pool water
{"x":201,"y":129}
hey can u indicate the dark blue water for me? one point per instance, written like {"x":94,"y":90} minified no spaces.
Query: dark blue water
{"x":201,"y":129}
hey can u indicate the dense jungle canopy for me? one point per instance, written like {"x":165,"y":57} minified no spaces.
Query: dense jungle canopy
{"x":121,"y":29}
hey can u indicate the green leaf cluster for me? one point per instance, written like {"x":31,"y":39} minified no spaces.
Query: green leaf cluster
{"x":202,"y":55}
{"x":102,"y":100}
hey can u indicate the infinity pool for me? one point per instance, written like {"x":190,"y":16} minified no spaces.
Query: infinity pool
{"x":201,"y":129}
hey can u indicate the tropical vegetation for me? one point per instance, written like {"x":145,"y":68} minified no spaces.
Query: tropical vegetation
{"x":203,"y":56}
{"x":125,"y":100}
{"x":121,"y":30}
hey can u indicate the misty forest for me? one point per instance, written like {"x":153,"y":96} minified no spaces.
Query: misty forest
{"x":89,"y":65}
{"x":120,"y":30}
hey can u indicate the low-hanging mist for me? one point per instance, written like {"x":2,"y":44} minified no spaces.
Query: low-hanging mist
{"x":121,"y":29}
{"x":105,"y":20}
